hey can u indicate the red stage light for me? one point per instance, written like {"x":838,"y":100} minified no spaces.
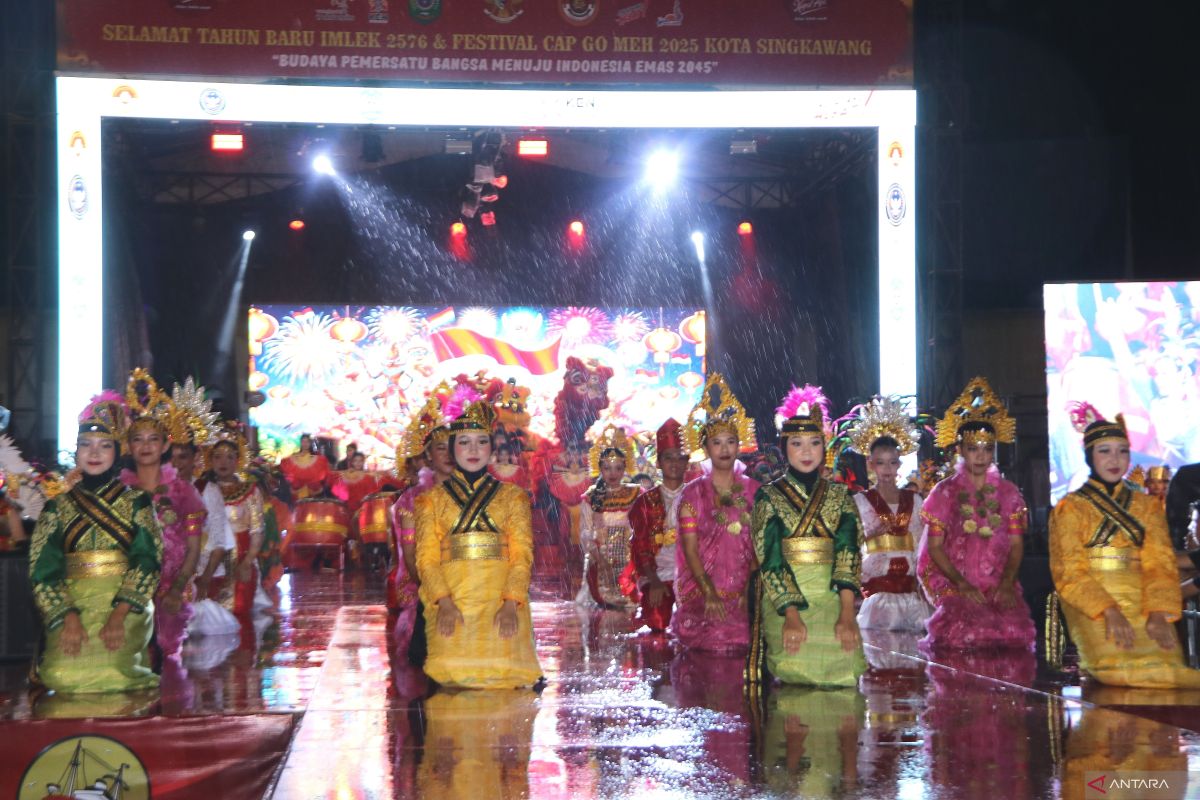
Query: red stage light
{"x":228,"y":142}
{"x":533,"y":148}
{"x":576,"y":228}
{"x":745,"y":229}
{"x":500,"y":181}
{"x":488,"y":218}
{"x":458,"y":229}
{"x":296,"y":224}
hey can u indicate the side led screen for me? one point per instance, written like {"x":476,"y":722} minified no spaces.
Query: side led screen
{"x":1129,"y":348}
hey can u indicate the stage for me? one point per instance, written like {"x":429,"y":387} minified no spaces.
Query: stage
{"x":311,"y":705}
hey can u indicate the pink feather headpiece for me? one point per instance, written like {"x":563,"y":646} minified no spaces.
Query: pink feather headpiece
{"x":1086,"y":419}
{"x":105,"y":414}
{"x":805,"y":409}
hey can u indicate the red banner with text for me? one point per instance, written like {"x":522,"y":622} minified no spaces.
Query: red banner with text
{"x":165,"y":758}
{"x":793,"y":43}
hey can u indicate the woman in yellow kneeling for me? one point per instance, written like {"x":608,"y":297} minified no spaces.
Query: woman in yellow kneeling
{"x":474,"y":558}
{"x":1114,"y":569}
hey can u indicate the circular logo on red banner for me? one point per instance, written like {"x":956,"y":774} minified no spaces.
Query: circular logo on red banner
{"x":85,"y":767}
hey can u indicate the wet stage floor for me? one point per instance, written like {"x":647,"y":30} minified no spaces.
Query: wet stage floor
{"x":625,"y":715}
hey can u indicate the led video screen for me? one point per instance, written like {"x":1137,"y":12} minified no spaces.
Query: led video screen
{"x":1128,"y":348}
{"x":359,"y":373}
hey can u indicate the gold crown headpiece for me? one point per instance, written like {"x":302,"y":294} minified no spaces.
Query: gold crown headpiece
{"x":193,"y":421}
{"x":427,"y":426}
{"x":978,"y":403}
{"x":228,"y":432}
{"x":718,"y":410}
{"x":1161,"y":472}
{"x":611,"y":439}
{"x":477,"y":416}
{"x":147,"y":404}
{"x":883,"y":417}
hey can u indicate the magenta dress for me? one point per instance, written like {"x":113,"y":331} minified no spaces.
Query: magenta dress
{"x":977,"y":529}
{"x":181,"y":513}
{"x":722,"y":528}
{"x":402,"y":587}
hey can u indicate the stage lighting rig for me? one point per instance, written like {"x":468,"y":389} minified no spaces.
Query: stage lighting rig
{"x":487,"y":176}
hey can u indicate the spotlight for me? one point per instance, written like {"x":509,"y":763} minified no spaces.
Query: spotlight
{"x":533,"y":148}
{"x":296,"y":224}
{"x":698,"y":243}
{"x":661,"y":168}
{"x":458,"y":230}
{"x":745,"y":229}
{"x":323,"y":165}
{"x":248,"y":236}
{"x":576,"y":228}
{"x":488,"y":218}
{"x":500,"y":181}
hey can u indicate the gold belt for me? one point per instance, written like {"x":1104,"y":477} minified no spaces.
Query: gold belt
{"x":890,"y":543}
{"x":1107,"y":558}
{"x":808,"y":550}
{"x":477,"y":545}
{"x":96,"y":564}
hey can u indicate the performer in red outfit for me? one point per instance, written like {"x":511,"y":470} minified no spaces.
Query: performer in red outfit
{"x":306,"y":471}
{"x":654,"y":519}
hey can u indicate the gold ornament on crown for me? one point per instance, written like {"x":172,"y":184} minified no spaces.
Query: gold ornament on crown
{"x":611,"y":438}
{"x":147,"y":404}
{"x":977,"y":403}
{"x":427,"y":425}
{"x":718,"y":411}
{"x":193,"y":420}
{"x":883,"y":417}
{"x":228,"y":431}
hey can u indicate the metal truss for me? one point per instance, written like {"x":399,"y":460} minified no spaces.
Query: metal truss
{"x":28,"y":45}
{"x":943,"y":120}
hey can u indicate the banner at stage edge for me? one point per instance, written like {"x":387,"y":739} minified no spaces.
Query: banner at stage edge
{"x":794,"y":43}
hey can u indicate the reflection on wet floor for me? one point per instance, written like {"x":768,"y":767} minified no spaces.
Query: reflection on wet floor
{"x":624,"y":714}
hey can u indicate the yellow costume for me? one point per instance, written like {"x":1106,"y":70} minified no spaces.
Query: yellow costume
{"x":475,"y":545}
{"x":1108,"y":550}
{"x":1109,"y":547}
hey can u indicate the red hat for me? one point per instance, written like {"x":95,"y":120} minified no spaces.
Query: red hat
{"x":669,"y":436}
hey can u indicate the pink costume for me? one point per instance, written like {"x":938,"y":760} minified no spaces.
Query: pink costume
{"x":721,"y":524}
{"x":979,"y":553}
{"x":402,"y":587}
{"x":181,"y":513}
{"x":889,"y":575}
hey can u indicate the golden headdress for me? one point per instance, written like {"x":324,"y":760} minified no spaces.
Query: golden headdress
{"x":979,"y":404}
{"x":883,"y":417}
{"x":105,"y":415}
{"x":467,"y":410}
{"x":193,"y":420}
{"x":1159,"y":472}
{"x":718,"y":410}
{"x":230,"y":431}
{"x":427,"y":426}
{"x":610,"y":439}
{"x":147,"y":404}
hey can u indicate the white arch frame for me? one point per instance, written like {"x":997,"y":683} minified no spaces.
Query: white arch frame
{"x":84,"y":102}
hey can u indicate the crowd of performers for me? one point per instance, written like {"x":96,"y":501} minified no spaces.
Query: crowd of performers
{"x":785,"y":567}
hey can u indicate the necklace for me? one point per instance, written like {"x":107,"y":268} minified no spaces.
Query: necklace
{"x":981,"y":513}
